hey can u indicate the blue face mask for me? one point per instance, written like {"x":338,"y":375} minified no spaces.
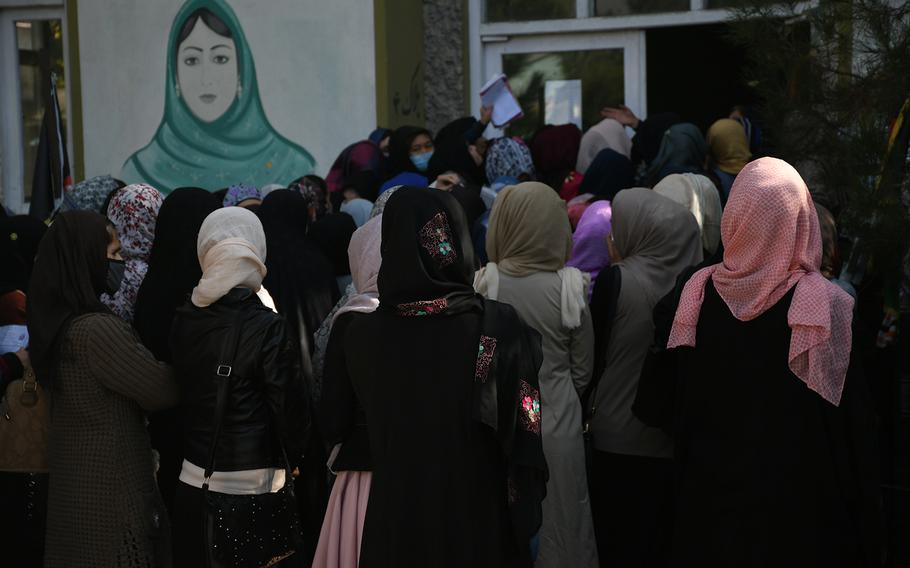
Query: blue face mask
{"x":422,"y":161}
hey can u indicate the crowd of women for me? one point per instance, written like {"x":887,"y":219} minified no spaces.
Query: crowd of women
{"x":576,"y":350}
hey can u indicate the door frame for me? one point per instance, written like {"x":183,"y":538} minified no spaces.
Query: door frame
{"x":12,"y":166}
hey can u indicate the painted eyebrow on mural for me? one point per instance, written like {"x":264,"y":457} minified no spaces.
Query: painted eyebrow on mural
{"x":192,"y":47}
{"x":222,"y":45}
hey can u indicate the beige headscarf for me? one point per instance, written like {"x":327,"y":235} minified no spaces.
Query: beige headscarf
{"x":529,"y":232}
{"x":699,"y":195}
{"x":729,"y":145}
{"x":607,"y":133}
{"x":231,"y":249}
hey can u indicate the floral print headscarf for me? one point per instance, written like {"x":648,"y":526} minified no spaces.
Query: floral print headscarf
{"x":509,"y":157}
{"x":133,"y":212}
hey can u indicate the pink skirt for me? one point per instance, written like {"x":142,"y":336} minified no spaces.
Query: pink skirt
{"x":342,"y":528}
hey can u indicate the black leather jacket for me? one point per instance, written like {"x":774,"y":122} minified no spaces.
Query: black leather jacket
{"x":267,"y":397}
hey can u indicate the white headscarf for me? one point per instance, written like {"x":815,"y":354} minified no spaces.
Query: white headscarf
{"x":699,"y":195}
{"x":231,"y":249}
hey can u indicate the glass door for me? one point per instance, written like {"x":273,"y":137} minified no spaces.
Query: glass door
{"x":32,"y":54}
{"x":569,"y":78}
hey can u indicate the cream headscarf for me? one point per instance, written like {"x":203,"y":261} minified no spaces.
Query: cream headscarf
{"x":607,"y":133}
{"x":529,"y":232}
{"x":699,"y":195}
{"x":231,"y":250}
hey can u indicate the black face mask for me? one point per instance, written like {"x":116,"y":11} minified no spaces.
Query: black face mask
{"x":115,"y":271}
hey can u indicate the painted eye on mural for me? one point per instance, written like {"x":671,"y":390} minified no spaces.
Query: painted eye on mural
{"x":221,"y":59}
{"x":191,"y":61}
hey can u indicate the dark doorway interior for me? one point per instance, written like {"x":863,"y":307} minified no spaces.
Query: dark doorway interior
{"x":696,"y":72}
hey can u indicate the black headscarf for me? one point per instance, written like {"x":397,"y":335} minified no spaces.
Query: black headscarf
{"x":650,"y":133}
{"x":427,"y":255}
{"x":67,"y":280}
{"x":427,"y":270}
{"x":173,"y":266}
{"x":299,"y":278}
{"x":451,"y":153}
{"x":468,"y":196}
{"x":400,"y":149}
{"x":19,"y":238}
{"x":332,"y":234}
{"x":608,"y":174}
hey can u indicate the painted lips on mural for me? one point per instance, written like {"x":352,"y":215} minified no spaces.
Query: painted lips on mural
{"x":214,"y":131}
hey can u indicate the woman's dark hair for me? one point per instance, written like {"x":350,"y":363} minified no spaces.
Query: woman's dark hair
{"x":318,"y":181}
{"x":213,"y":22}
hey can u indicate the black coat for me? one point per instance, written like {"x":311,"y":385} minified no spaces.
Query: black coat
{"x":267,"y":399}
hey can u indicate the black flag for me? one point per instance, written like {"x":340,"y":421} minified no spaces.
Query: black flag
{"x":52,"y":166}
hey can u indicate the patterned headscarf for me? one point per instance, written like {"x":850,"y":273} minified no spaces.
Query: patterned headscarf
{"x":239,"y":193}
{"x":772,"y":244}
{"x":134,"y":213}
{"x":509,"y":157}
{"x":88,"y":195}
{"x":383,"y":198}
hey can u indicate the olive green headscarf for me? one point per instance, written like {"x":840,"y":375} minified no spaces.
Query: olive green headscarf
{"x":239,"y":147}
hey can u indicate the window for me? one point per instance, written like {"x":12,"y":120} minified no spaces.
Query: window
{"x":523,"y":10}
{"x":627,"y":7}
{"x":599,"y":71}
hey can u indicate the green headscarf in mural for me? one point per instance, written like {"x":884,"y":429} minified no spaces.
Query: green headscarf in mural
{"x":237,"y":146}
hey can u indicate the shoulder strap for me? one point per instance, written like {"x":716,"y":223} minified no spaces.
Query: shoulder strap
{"x":603,"y":311}
{"x":222,"y":374}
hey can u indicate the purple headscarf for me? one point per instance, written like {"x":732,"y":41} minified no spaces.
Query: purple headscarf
{"x":589,"y":248}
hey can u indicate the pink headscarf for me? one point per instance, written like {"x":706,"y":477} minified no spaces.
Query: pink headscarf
{"x":366,"y":259}
{"x":772,"y":243}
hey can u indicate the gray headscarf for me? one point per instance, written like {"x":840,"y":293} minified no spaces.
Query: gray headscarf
{"x":89,"y":195}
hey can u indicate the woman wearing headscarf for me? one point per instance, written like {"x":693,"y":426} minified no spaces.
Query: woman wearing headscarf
{"x":682,"y":150}
{"x":133,"y":212}
{"x":410,"y":150}
{"x":699,"y":195}
{"x":608,"y":174}
{"x":775,"y":462}
{"x":265,"y":414}
{"x":242,"y":195}
{"x":509,"y":157}
{"x":528,"y":243}
{"x":589,"y":241}
{"x":458,"y":468}
{"x":89,"y":195}
{"x":103,"y":505}
{"x":341,"y":416}
{"x":23,"y":495}
{"x":363,"y":156}
{"x":653,"y":240}
{"x":332,"y":234}
{"x":173,"y":271}
{"x":453,"y":152}
{"x":607,"y":133}
{"x":729,"y":148}
{"x":359,"y":210}
{"x":555,"y":153}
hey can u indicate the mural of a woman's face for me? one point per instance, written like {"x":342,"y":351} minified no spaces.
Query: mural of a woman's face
{"x":207,"y":72}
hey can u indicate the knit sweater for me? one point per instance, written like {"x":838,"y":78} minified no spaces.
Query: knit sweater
{"x":103,"y":504}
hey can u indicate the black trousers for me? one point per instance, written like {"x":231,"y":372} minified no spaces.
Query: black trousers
{"x":631,"y":502}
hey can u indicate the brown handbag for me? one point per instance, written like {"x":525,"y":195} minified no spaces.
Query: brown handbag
{"x":24,"y":425}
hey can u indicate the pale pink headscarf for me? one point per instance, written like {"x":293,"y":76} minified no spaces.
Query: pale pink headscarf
{"x":366,"y":259}
{"x":772,"y":243}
